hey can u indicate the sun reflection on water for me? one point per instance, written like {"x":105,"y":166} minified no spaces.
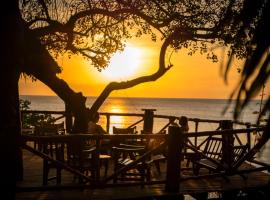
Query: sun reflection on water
{"x":118,"y":121}
{"x":118,"y":106}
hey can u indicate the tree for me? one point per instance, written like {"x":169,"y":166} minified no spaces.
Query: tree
{"x":96,"y":29}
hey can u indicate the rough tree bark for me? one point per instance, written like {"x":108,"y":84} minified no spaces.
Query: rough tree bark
{"x":11,"y":59}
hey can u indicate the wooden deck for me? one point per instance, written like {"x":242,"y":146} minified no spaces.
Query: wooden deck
{"x":33,"y":179}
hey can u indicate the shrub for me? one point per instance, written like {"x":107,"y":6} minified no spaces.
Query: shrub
{"x":33,"y":119}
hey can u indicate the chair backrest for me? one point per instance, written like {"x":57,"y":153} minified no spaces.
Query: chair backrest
{"x":60,"y":128}
{"x":131,"y":130}
{"x":213,"y":148}
{"x":77,"y":154}
{"x":238,"y":152}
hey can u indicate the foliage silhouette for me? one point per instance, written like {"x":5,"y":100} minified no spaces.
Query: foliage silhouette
{"x":33,"y":119}
{"x":97,"y":29}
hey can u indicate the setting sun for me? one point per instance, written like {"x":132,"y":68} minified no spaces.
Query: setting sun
{"x":123,"y":64}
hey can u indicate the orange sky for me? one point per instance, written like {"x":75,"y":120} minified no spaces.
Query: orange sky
{"x":190,"y":77}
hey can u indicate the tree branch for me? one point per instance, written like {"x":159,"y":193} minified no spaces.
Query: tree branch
{"x":128,"y":84}
{"x":43,"y":4}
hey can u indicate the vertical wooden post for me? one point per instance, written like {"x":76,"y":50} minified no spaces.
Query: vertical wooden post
{"x":108,"y":117}
{"x":148,"y":120}
{"x":175,"y":142}
{"x":68,"y":120}
{"x":248,"y":136}
{"x":227,"y":142}
{"x":97,"y":160}
{"x":196,"y":125}
{"x":196,"y":130}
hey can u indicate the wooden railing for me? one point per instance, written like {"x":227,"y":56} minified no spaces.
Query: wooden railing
{"x":144,"y":120}
{"x":174,"y":141}
{"x":67,"y":115}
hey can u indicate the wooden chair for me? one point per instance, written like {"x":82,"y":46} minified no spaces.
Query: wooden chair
{"x":125,"y":155}
{"x":211,"y":157}
{"x":84,"y":156}
{"x":54,"y":150}
{"x":159,"y":156}
{"x":128,"y":151}
{"x":131,"y":130}
{"x":127,"y":142}
{"x":81,"y":158}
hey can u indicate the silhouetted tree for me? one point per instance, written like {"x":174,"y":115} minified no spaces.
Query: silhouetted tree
{"x":97,"y":29}
{"x":94,"y":29}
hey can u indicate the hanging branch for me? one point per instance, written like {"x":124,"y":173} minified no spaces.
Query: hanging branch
{"x":143,"y":79}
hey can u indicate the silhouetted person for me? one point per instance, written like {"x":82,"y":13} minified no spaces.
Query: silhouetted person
{"x":183,"y":123}
{"x":93,"y":127}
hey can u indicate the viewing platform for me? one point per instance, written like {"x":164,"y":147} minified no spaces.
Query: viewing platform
{"x":177,"y":166}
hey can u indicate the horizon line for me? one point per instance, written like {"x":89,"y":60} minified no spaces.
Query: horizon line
{"x":140,"y":97}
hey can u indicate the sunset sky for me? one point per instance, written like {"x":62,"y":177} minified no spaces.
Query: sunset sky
{"x":190,"y":77}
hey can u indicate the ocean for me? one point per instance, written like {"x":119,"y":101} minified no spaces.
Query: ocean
{"x":192,"y":108}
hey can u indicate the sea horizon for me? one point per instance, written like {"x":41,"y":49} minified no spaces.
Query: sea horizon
{"x":135,"y":97}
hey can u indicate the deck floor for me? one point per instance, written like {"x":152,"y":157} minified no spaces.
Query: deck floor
{"x":33,"y":177}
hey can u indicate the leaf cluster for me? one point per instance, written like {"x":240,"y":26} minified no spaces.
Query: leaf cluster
{"x":33,"y":119}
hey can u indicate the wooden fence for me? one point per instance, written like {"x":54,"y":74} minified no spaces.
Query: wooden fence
{"x":174,"y":141}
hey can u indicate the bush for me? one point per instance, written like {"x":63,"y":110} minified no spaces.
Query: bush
{"x":33,"y":119}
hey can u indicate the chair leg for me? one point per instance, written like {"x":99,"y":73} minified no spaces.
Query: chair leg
{"x":196,"y":169}
{"x":148,"y":174}
{"x":45,"y":172}
{"x":58,"y":175}
{"x":226,"y":178}
{"x":243,"y":176}
{"x":106,"y":166}
{"x":157,"y":165}
{"x":188,"y":162}
{"x":143,"y":176}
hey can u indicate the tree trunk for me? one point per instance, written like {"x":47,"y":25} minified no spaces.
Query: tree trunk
{"x":40,"y":64}
{"x":10,"y":129}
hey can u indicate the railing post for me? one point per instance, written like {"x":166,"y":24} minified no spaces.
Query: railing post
{"x":227,"y":142}
{"x":97,"y":160}
{"x":68,"y":120}
{"x":148,"y":120}
{"x":108,"y":119}
{"x":248,"y":136}
{"x":196,"y":130}
{"x":175,"y":142}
